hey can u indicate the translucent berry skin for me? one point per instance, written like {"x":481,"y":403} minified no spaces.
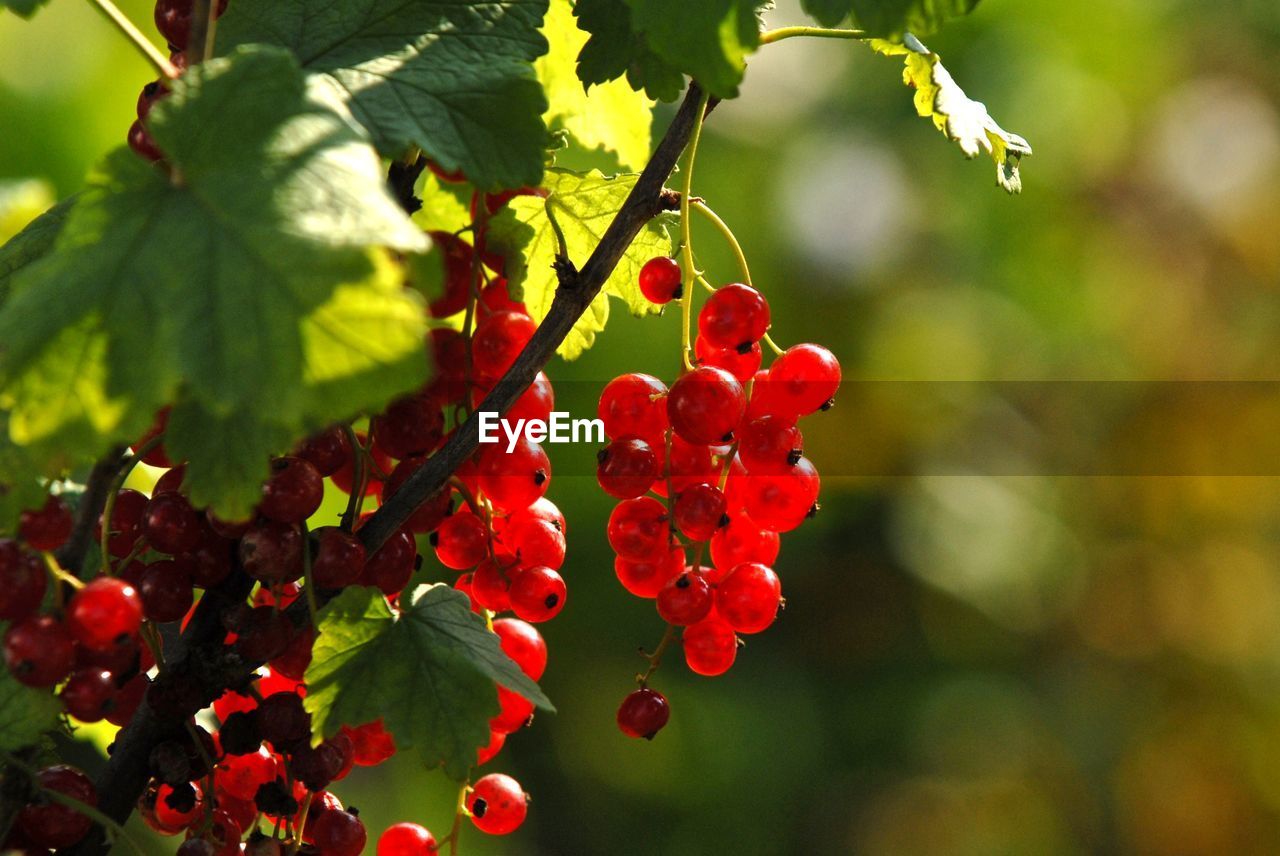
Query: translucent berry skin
{"x":643,"y":713}
{"x":173,"y":20}
{"x":413,"y":425}
{"x":371,"y":743}
{"x":685,"y":600}
{"x":88,"y":693}
{"x":699,"y":510}
{"x":294,"y":491}
{"x":407,"y":839}
{"x":339,"y":833}
{"x":497,"y":804}
{"x":516,"y":479}
{"x":49,"y":527}
{"x":491,"y":585}
{"x":461,"y":541}
{"x":242,"y":775}
{"x":634,"y":405}
{"x":661,"y":280}
{"x":710,"y":647}
{"x":326,"y":451}
{"x":497,"y":298}
{"x":126,"y":522}
{"x":166,"y":591}
{"x":171,"y":525}
{"x":536,"y":402}
{"x":103,"y":613}
{"x":706,"y":405}
{"x":688,"y":464}
{"x":272,"y":552}
{"x":23,"y":581}
{"x":638,"y":528}
{"x":53,"y":825}
{"x":391,"y":566}
{"x":489,"y":751}
{"x":149,"y":95}
{"x":743,"y":540}
{"x":339,"y":558}
{"x":171,"y":481}
{"x":498,"y":340}
{"x":537,"y":594}
{"x":646,"y":577}
{"x":803,"y":379}
{"x":514,"y":714}
{"x":781,"y":502}
{"x":735,"y":316}
{"x":748,"y":597}
{"x":742,"y":365}
{"x":627,"y":468}
{"x":344,"y":476}
{"x":534,"y":541}
{"x":139,"y":139}
{"x":172,"y":818}
{"x":769,"y":445}
{"x":521,"y":642}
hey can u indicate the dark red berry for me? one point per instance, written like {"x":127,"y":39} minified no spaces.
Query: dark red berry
{"x":88,"y":693}
{"x":49,"y":527}
{"x":643,"y":713}
{"x":339,"y":558}
{"x":706,"y":405}
{"x":272,"y":551}
{"x":54,"y":825}
{"x":627,"y":468}
{"x":294,"y":491}
{"x":171,"y":525}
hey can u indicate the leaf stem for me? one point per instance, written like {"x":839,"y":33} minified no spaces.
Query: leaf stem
{"x":771,"y":36}
{"x":686,"y":236}
{"x":133,"y":34}
{"x":723,"y":228}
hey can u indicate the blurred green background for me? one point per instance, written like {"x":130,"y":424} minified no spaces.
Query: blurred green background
{"x":1025,"y":663}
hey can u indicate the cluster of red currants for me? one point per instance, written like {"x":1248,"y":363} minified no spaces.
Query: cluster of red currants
{"x":173,"y":20}
{"x":722,"y":455}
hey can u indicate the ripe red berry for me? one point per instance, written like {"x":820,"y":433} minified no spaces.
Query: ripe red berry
{"x":706,"y":405}
{"x":514,"y":713}
{"x":639,"y":528}
{"x":537,"y":594}
{"x":407,"y":839}
{"x":534,"y":541}
{"x":770,"y":445}
{"x":157,"y":456}
{"x":179,"y":808}
{"x":804,"y":378}
{"x":748,"y":597}
{"x":126,"y":522}
{"x":699,"y":510}
{"x":104,"y":613}
{"x":53,"y":825}
{"x":23,"y":581}
{"x":497,"y":804}
{"x":88,"y":693}
{"x":171,"y":481}
{"x":498,"y":340}
{"x":371,"y":743}
{"x":344,"y":476}
{"x":49,"y":527}
{"x":646,"y":577}
{"x":166,"y":590}
{"x":743,"y":540}
{"x":491,"y":584}
{"x":710,"y":646}
{"x":392,"y":565}
{"x":294,"y":491}
{"x":412,"y":425}
{"x":326,"y":451}
{"x":686,"y":599}
{"x":486,"y":753}
{"x":743,"y":365}
{"x":339,"y":558}
{"x":139,"y":139}
{"x":461,"y":541}
{"x":242,"y":775}
{"x":536,"y":402}
{"x":661,"y":280}
{"x":173,"y":20}
{"x":272,"y":551}
{"x":627,"y":468}
{"x":780,"y":502}
{"x":171,"y":525}
{"x":736,"y":316}
{"x":495,"y":297}
{"x":643,"y":713}
{"x":633,"y":405}
{"x":522,"y":643}
{"x":688,"y":464}
{"x":339,"y":833}
{"x":515,"y":479}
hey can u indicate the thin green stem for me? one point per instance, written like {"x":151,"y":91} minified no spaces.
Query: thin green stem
{"x":134,"y":35}
{"x":723,"y":228}
{"x":352,"y":514}
{"x":773,"y":346}
{"x":686,"y":237}
{"x":655,"y":659}
{"x":456,"y":830}
{"x":771,"y":36}
{"x":113,"y":829}
{"x":562,"y":246}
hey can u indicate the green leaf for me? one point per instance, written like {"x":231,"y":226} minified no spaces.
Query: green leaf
{"x":16,"y":211}
{"x":454,"y":79}
{"x":25,"y":713}
{"x":583,"y":204}
{"x":890,"y":19}
{"x":709,"y":40}
{"x":613,"y":116}
{"x":428,"y":672}
{"x":444,"y":208}
{"x":961,"y":119}
{"x":23,"y":8}
{"x":267,"y":309}
{"x":20,"y":486}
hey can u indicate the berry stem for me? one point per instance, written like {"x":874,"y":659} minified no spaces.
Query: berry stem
{"x":723,"y":228}
{"x":771,"y":36}
{"x":456,"y":830}
{"x":58,"y":575}
{"x":297,"y":838}
{"x":133,"y":34}
{"x":358,"y":479}
{"x":773,"y":346}
{"x":686,"y":234}
{"x":114,"y":830}
{"x":655,"y":659}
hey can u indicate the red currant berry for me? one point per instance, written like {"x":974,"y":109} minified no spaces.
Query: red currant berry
{"x":685,"y":600}
{"x":263,"y":633}
{"x":536,"y":402}
{"x":178,"y":808}
{"x":706,"y":405}
{"x":634,"y":405}
{"x":294,"y":491}
{"x":699,"y":511}
{"x":804,"y":378}
{"x":523,"y":644}
{"x":23,"y":581}
{"x":371,"y":743}
{"x":514,"y":713}
{"x":326,"y":451}
{"x":743,"y":365}
{"x":491,"y":585}
{"x":743,"y":540}
{"x":150,"y":94}
{"x":166,"y":590}
{"x":497,"y":804}
{"x":272,"y":551}
{"x":537,"y":594}
{"x":627,"y":468}
{"x":688,"y":464}
{"x":661,"y":280}
{"x":496,"y":298}
{"x":171,"y":525}
{"x":413,"y":425}
{"x":486,"y":753}
{"x":781,"y":502}
{"x":339,"y":833}
{"x":710,"y":646}
{"x":293,"y":662}
{"x":127,"y":701}
{"x":46,"y":529}
{"x":427,"y":516}
{"x":407,"y":839}
{"x":104,"y":613}
{"x":461,"y":541}
{"x":173,"y":20}
{"x":748,"y":597}
{"x":171,"y":481}
{"x":51,"y":824}
{"x":126,"y":522}
{"x":344,"y":476}
{"x":339,"y":558}
{"x":534,"y":541}
{"x":391,"y":567}
{"x":770,"y":445}
{"x":88,"y":693}
{"x":646,"y":577}
{"x":643,"y":713}
{"x":498,"y":340}
{"x":639,"y":528}
{"x":242,"y":775}
{"x":515,"y":479}
{"x":139,"y":139}
{"x":736,"y":316}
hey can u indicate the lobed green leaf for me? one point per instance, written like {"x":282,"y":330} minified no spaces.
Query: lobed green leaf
{"x":25,"y":713}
